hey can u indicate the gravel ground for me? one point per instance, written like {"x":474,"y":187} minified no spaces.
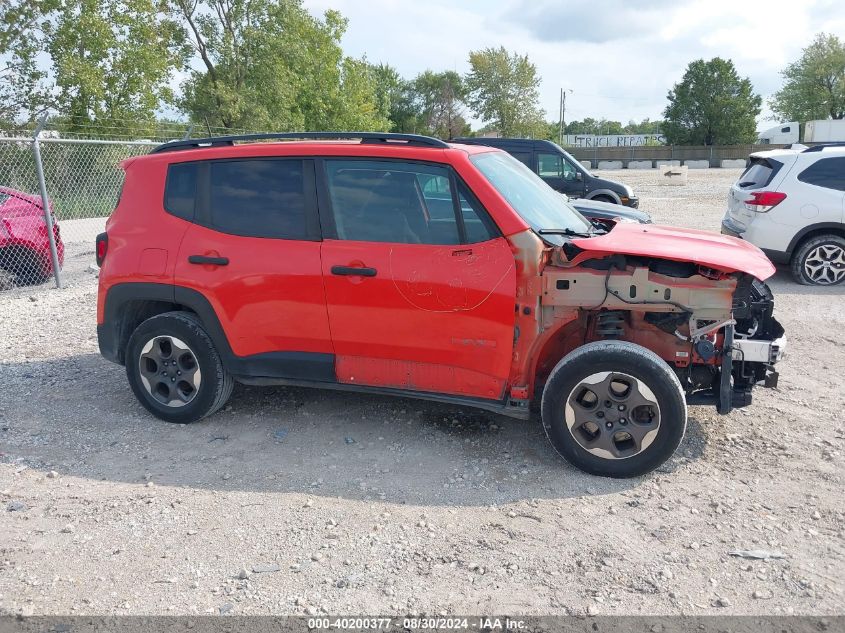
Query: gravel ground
{"x":294,"y":501}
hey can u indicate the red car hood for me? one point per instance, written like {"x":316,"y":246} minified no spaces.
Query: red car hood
{"x":713,"y":250}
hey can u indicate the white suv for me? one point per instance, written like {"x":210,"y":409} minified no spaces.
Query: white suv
{"x":791,"y":204}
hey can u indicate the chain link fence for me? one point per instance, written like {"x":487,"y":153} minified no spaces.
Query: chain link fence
{"x":82,"y":179}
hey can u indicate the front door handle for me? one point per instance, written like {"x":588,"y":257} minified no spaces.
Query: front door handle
{"x":205,"y":259}
{"x":350,"y":271}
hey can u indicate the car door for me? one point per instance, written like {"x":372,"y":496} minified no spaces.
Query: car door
{"x":253,"y":251}
{"x":420,"y":284}
{"x":559,"y":174}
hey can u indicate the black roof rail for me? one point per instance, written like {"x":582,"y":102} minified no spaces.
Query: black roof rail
{"x":365,"y":137}
{"x":821,"y":146}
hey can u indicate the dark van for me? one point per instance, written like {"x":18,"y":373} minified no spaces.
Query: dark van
{"x":560,"y":170}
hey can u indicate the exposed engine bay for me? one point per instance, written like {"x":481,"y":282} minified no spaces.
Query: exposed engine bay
{"x":715,"y":328}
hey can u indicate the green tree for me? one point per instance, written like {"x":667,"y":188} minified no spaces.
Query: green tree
{"x":815,"y":83}
{"x":107,"y":61}
{"x":646,"y":126}
{"x":22,"y":81}
{"x":711,"y":105}
{"x":503,"y":89}
{"x":396,"y":99}
{"x":269,"y":64}
{"x":440,"y":101}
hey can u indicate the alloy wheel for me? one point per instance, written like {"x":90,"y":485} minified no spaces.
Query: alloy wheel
{"x":612,"y":415}
{"x":825,"y":264}
{"x":169,"y":371}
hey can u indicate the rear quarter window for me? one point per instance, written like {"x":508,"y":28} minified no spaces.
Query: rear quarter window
{"x":180,"y":191}
{"x":759,"y":174}
{"x":827,"y":172}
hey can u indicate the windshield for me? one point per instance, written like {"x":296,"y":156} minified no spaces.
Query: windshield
{"x":538,"y":204}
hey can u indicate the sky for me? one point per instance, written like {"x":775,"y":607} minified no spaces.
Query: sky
{"x":619,"y":58}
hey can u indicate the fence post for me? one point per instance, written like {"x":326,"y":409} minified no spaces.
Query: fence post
{"x":48,"y":216}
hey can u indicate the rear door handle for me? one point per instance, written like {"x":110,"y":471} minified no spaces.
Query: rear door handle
{"x":354,"y":271}
{"x":205,"y":259}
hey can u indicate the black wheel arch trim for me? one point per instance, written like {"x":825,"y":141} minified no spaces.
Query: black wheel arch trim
{"x":838,"y":227}
{"x":112,"y":335}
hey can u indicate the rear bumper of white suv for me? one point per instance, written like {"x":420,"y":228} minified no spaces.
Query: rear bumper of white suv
{"x":730,"y":227}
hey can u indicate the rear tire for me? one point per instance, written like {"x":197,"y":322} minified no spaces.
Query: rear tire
{"x":820,"y":261}
{"x":614,"y":409}
{"x":174,"y":369}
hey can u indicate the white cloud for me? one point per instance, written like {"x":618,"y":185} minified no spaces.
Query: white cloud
{"x":619,"y":58}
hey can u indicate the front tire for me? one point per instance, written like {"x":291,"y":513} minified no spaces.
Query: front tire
{"x":614,"y":409}
{"x":174,"y":369}
{"x":820,"y":261}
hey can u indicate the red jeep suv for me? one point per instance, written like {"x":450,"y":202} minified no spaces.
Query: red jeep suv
{"x":400,"y":264}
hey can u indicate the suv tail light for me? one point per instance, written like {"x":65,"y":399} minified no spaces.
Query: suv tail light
{"x":102,"y":248}
{"x":764,"y":201}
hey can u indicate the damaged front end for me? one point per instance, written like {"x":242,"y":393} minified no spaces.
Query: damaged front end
{"x":714,"y":327}
{"x":756,"y":342}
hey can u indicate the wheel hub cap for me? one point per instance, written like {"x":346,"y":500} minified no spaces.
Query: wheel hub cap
{"x":169,"y":371}
{"x":612,"y":415}
{"x":825,"y":264}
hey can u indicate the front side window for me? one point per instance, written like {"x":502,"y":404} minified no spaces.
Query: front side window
{"x":402,"y":203}
{"x":555,"y":166}
{"x":550,"y":165}
{"x":538,"y":204}
{"x":827,"y":172}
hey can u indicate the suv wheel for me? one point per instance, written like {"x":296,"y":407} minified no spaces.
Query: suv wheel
{"x":615,"y":409}
{"x":175,"y":370}
{"x":820,"y":261}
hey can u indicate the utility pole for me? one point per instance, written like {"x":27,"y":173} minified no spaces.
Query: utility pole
{"x":562,"y":113}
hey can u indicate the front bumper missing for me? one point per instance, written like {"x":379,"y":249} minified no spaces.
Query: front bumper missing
{"x":746,"y":357}
{"x":756,"y":358}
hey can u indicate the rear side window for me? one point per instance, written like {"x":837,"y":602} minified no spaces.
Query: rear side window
{"x":180,"y":192}
{"x":827,"y":172}
{"x":258,"y":198}
{"x":250,"y":198}
{"x":760,"y":173}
